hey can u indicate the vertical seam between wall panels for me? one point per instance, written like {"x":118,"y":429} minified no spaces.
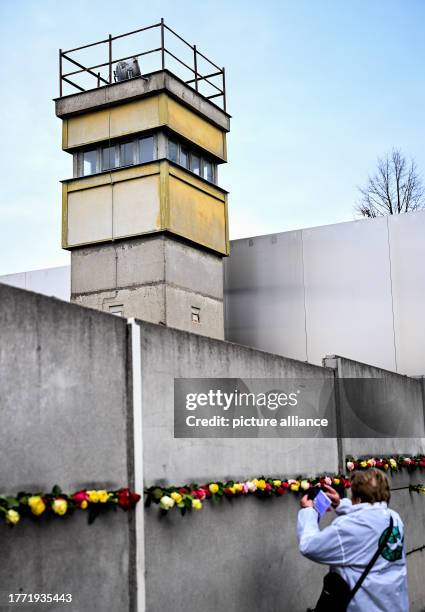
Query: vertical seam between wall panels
{"x":164,"y":246}
{"x":111,"y":297}
{"x":340,"y":448}
{"x":137,"y":403}
{"x":110,"y":182}
{"x":392,"y":294}
{"x":304,"y":300}
{"x":132,"y":566}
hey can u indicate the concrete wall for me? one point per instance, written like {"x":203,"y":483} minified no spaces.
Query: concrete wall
{"x":330,"y":289}
{"x":232,"y":552}
{"x":65,"y":417}
{"x":408,"y":408}
{"x":63,"y":420}
{"x":241,"y":558}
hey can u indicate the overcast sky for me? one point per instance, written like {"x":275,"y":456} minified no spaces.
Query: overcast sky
{"x":317,"y":90}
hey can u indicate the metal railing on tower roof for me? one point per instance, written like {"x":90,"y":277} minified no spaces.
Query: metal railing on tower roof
{"x":101,"y":74}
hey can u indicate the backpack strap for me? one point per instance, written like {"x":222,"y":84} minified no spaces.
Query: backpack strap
{"x":372,"y":561}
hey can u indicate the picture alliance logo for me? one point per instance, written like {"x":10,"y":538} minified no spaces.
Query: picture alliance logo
{"x":216,"y":398}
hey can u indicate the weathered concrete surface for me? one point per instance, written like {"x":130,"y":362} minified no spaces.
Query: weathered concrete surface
{"x":243,"y":557}
{"x":410,"y":399}
{"x":64,"y":407}
{"x":155,"y":278}
{"x":170,"y":353}
{"x":117,"y":93}
{"x":63,"y":420}
{"x":239,"y":557}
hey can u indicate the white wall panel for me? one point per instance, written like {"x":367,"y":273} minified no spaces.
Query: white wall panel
{"x":264,"y":305}
{"x":348,"y":292}
{"x":407,"y":239}
{"x":55,"y":282}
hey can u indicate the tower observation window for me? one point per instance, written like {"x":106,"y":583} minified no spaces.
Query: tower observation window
{"x":192,"y":160}
{"x":126,"y":154}
{"x":108,"y":158}
{"x":146,"y":149}
{"x":173,"y":151}
{"x":140,"y":150}
{"x":89,"y":162}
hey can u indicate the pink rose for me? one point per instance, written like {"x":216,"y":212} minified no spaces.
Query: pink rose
{"x":199,"y":494}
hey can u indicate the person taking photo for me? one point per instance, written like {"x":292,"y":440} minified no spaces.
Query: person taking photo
{"x":364,"y":547}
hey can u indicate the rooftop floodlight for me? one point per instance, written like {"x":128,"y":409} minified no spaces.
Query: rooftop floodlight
{"x":127,"y":69}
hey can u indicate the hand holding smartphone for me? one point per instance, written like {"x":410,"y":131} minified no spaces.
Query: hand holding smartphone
{"x":321,"y":502}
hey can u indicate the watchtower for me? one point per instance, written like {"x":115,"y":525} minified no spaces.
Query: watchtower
{"x":143,"y":215}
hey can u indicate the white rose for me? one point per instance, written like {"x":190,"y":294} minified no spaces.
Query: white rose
{"x":166,"y":502}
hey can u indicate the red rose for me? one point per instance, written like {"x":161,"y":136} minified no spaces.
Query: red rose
{"x":206,"y":490}
{"x":127,"y":499}
{"x":280,"y":490}
{"x":183,"y":491}
{"x":268,"y":487}
{"x":79,"y":497}
{"x":284,"y":486}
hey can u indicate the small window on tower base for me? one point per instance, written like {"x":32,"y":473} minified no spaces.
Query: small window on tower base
{"x":117,"y":310}
{"x":196,"y":314}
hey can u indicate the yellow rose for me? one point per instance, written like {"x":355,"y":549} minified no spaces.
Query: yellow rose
{"x":277,"y":483}
{"x":12,"y":517}
{"x":261,"y":484}
{"x":83,"y":504}
{"x":363,"y":464}
{"x":304,"y":485}
{"x":213,"y":488}
{"x":393,"y":463}
{"x":238,"y":487}
{"x":176,"y":496}
{"x":386,"y":466}
{"x":103,"y":496}
{"x":295,"y":486}
{"x":36,"y":504}
{"x":196,"y":504}
{"x":337,"y":481}
{"x":93,"y":496}
{"x":60,"y":506}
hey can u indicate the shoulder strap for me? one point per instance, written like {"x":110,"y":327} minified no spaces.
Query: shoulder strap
{"x":372,"y":561}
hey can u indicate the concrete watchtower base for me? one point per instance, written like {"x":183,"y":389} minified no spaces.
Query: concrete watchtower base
{"x":155,"y":278}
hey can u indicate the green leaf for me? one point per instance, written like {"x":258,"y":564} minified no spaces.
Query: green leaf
{"x":12,"y":502}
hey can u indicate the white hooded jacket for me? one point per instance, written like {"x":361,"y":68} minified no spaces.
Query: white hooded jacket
{"x":347,"y":546}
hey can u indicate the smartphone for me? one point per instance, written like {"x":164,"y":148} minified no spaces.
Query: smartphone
{"x":321,"y":503}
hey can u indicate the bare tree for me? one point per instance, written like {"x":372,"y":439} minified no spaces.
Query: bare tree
{"x":395,"y":188}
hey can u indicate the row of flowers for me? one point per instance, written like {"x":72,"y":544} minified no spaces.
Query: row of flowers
{"x":39,"y":505}
{"x":192,"y":497}
{"x":386,"y":463}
